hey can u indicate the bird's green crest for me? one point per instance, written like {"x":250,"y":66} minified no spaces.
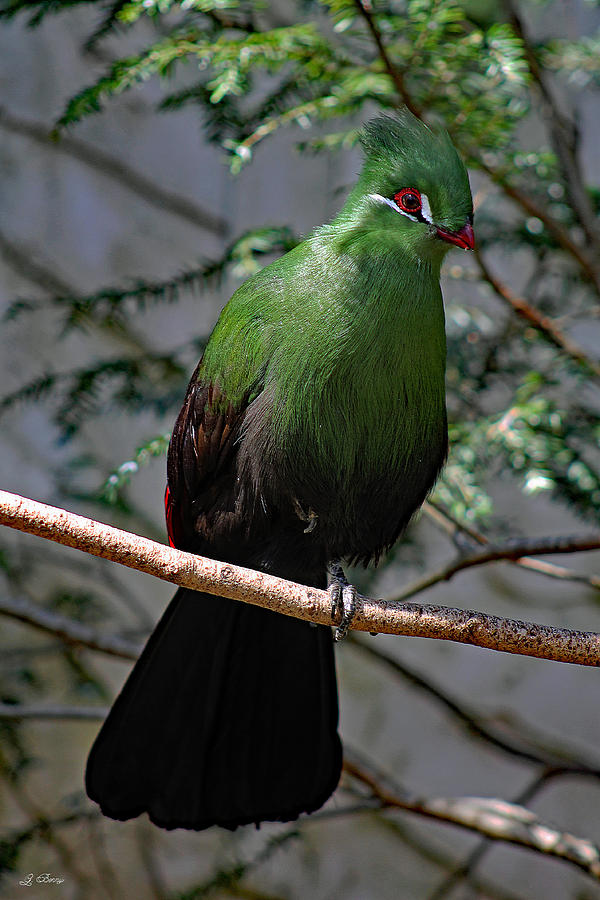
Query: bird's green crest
{"x":402,"y":152}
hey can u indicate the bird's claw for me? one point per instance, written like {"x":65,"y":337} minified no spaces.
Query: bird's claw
{"x":343,"y":602}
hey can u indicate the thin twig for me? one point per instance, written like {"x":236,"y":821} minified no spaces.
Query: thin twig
{"x":563,"y":133}
{"x":228,"y":878}
{"x":19,"y":711}
{"x":21,"y":259}
{"x":466,"y":536}
{"x":107,"y":876}
{"x":45,"y":829}
{"x":145,"y":838}
{"x":559,"y":762}
{"x":465,"y":869}
{"x":509,"y":550}
{"x":536,"y":318}
{"x":226,"y":580}
{"x":432,"y":853}
{"x":68,"y":629}
{"x":115,"y":169}
{"x":364,"y":8}
{"x":492,"y":817}
{"x":13,"y":841}
{"x":533,"y":208}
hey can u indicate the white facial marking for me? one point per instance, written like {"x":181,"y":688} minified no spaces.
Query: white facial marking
{"x":379,"y":199}
{"x":426,"y":208}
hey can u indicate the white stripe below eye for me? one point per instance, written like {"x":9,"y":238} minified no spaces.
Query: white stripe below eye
{"x":426,"y":208}
{"x":379,"y":199}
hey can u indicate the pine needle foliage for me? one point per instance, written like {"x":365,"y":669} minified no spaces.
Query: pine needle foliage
{"x":112,"y":305}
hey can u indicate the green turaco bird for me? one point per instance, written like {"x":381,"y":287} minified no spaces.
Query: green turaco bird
{"x":312,"y":430}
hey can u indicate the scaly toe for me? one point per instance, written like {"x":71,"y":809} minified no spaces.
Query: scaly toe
{"x":343,"y":606}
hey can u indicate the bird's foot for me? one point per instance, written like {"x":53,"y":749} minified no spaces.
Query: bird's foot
{"x":343,"y":600}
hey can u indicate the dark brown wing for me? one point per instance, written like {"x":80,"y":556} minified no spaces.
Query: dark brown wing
{"x":228,"y":495}
{"x":202,"y":500}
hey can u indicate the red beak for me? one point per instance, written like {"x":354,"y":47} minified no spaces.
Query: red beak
{"x":464,"y":238}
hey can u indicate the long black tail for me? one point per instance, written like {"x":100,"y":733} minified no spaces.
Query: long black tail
{"x":228,"y":717}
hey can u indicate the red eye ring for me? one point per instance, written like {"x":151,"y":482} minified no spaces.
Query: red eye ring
{"x":409,"y":200}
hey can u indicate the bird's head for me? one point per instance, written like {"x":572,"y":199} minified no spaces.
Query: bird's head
{"x":413,"y":189}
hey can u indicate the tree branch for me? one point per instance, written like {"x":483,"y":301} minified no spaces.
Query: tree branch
{"x":561,"y":234}
{"x":113,"y":168}
{"x":510,"y":550}
{"x":563,"y":133}
{"x":19,"y":711}
{"x":68,"y":630}
{"x":466,"y":537}
{"x":431,"y":853}
{"x":536,"y":318}
{"x":42,"y":827}
{"x":494,"y":818}
{"x":226,"y":580}
{"x":464,"y":870}
{"x":364,"y":8}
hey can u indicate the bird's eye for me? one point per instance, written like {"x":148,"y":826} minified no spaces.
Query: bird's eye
{"x":409,"y":200}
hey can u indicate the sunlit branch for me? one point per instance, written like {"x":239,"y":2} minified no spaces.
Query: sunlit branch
{"x":310,"y":604}
{"x":491,"y":817}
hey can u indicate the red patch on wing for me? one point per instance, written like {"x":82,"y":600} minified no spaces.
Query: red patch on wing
{"x":169,"y":517}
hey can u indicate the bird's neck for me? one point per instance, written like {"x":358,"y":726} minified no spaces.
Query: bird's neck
{"x":384,"y":298}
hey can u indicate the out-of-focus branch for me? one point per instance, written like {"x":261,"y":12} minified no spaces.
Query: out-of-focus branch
{"x":19,"y":711}
{"x":432,"y":853}
{"x":465,"y":869}
{"x":41,"y":827}
{"x":511,"y":549}
{"x":107,"y":876}
{"x":310,"y":604}
{"x":68,"y":629}
{"x":107,"y":165}
{"x":466,"y":537}
{"x":145,"y":835}
{"x":496,"y":819}
{"x":21,"y":260}
{"x":563,"y":133}
{"x":533,"y":208}
{"x":557,"y":762}
{"x":539,"y":321}
{"x":364,"y":8}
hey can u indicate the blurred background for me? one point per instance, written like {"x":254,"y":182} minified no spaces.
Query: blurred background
{"x":153,"y":155}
